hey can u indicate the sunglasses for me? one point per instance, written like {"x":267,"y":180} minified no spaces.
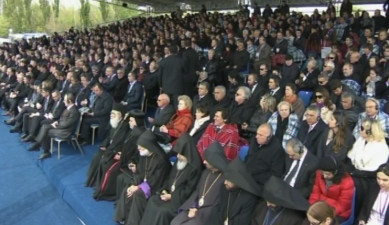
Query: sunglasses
{"x":331,"y":58}
{"x":319,"y":96}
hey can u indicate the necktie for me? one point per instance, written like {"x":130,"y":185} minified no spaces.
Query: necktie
{"x":292,"y":172}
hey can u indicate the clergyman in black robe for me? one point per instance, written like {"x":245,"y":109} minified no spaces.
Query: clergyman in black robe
{"x":283,"y":205}
{"x":204,"y":203}
{"x":147,"y":177}
{"x":106,"y":185}
{"x":105,"y":157}
{"x":240,"y":195}
{"x":182,"y":181}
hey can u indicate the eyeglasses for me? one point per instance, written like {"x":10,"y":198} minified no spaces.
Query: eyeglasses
{"x":262,"y":69}
{"x":331,"y":57}
{"x":319,"y":96}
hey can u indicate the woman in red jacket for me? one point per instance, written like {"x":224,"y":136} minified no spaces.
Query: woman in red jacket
{"x":181,"y":121}
{"x":334,"y":186}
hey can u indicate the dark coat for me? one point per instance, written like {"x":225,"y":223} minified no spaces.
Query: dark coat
{"x":206,"y":101}
{"x":288,"y":216}
{"x":162,"y":116}
{"x":370,"y":198}
{"x":134,"y":98}
{"x":311,"y":139}
{"x":102,"y":107}
{"x":324,"y":149}
{"x":192,"y":64}
{"x":265,"y":161}
{"x":172,"y":70}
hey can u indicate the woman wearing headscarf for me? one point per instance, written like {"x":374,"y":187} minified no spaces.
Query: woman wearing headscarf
{"x":180,"y":184}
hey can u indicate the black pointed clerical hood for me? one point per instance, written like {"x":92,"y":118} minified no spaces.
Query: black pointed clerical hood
{"x":215,"y":156}
{"x":237,"y":173}
{"x":280,"y":193}
{"x":149,"y":141}
{"x":186,"y":147}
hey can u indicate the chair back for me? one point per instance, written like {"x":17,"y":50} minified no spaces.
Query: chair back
{"x":243,"y":151}
{"x":306,"y":96}
{"x":350,"y":220}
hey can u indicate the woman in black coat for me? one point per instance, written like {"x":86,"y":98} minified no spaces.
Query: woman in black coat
{"x":337,"y":140}
{"x":376,"y":207}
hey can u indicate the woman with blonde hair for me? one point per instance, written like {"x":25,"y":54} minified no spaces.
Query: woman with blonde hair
{"x":368,"y":153}
{"x":285,"y":124}
{"x":180,"y":122}
{"x":267,"y":107}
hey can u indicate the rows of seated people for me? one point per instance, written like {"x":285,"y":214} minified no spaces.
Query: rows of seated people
{"x":287,"y":104}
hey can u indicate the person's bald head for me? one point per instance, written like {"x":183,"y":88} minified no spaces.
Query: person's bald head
{"x":163,"y":100}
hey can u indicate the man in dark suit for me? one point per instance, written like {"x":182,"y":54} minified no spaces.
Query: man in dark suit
{"x":41,"y":108}
{"x":99,"y":114}
{"x":274,"y":88}
{"x":164,"y":112}
{"x":311,"y":129}
{"x":62,"y":128}
{"x":172,"y":72}
{"x":134,"y":96}
{"x":221,"y":100}
{"x":300,"y":167}
{"x":308,"y":79}
{"x":192,"y":65}
{"x":266,"y":155}
{"x":111,"y":80}
{"x":31,"y":124}
{"x":83,"y":94}
{"x":256,"y":90}
{"x":203,"y":97}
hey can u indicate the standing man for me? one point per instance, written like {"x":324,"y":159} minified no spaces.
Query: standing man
{"x":172,"y":73}
{"x":191,"y":65}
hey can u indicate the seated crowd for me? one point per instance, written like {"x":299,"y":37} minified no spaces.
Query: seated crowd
{"x":273,"y":118}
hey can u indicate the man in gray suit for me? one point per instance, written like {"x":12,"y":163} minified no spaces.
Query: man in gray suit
{"x":63,"y":128}
{"x":164,"y":112}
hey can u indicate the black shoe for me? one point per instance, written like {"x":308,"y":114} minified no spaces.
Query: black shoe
{"x":24,"y":135}
{"x":10,"y":122}
{"x":34,"y":147}
{"x":44,"y":156}
{"x":29,"y":138}
{"x":15,"y":130}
